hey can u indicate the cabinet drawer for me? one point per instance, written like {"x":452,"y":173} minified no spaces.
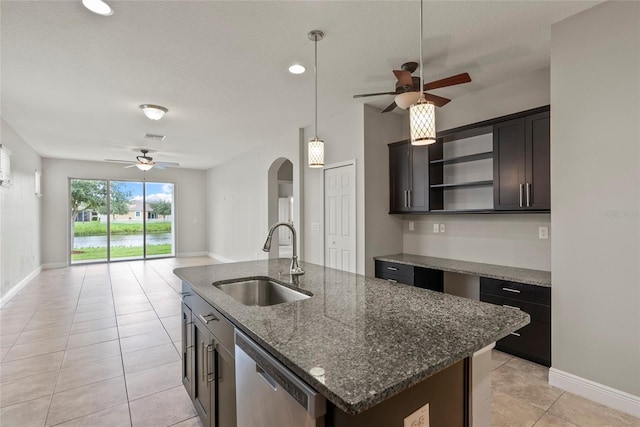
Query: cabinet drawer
{"x":518,"y":291}
{"x":393,"y":268}
{"x":538,"y":312}
{"x":407,"y":280}
{"x":533,"y":342}
{"x":218,"y":325}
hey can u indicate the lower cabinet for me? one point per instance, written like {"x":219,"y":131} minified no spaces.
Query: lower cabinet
{"x":208,"y":365}
{"x":532,"y":342}
{"x":421,"y":277}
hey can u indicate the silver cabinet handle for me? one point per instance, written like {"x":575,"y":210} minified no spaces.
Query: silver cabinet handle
{"x":515,"y":291}
{"x":202,"y":361}
{"x":208,"y":374}
{"x":528,"y":187}
{"x":510,"y":306}
{"x":520,"y":194}
{"x":208,"y":318}
{"x":406,"y":197}
{"x":515,"y":333}
{"x":185,"y":294}
{"x":392,"y":281}
{"x":409,"y":197}
{"x":392,"y":268}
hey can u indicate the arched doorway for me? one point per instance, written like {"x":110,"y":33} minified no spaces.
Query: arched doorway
{"x":281,"y":205}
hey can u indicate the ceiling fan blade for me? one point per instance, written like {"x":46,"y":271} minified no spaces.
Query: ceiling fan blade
{"x":437,"y":100}
{"x":120,"y":161}
{"x":404,"y":77}
{"x":130,"y":166}
{"x":374,"y":94}
{"x":449,"y":81}
{"x":391,"y":107}
{"x":168,"y":164}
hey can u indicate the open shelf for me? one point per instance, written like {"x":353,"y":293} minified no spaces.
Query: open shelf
{"x":463,"y":184}
{"x":462,"y":159}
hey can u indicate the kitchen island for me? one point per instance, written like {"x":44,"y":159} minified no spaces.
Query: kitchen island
{"x":374,"y":342}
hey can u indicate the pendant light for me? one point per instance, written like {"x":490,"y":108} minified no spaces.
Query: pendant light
{"x":422,"y":114}
{"x":316,"y":145}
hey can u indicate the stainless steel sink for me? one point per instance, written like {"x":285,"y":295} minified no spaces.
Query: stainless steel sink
{"x":260,"y":292}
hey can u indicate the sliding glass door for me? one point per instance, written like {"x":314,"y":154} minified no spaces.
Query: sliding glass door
{"x":125,"y":220}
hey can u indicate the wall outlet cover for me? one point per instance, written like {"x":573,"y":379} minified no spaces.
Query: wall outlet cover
{"x":412,"y":225}
{"x":442,"y":229}
{"x":543,"y":232}
{"x":436,"y":228}
{"x":419,"y":418}
{"x":315,"y":226}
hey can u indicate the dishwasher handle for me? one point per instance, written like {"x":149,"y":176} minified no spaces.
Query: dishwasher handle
{"x":275,"y":373}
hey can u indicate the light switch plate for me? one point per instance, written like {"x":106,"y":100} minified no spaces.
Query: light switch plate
{"x":543,"y":232}
{"x":315,"y":226}
{"x":412,"y":225}
{"x":442,"y":229}
{"x":436,"y":228}
{"x":419,"y":418}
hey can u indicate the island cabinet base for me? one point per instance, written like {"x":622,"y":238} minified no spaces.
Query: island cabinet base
{"x":447,"y":393}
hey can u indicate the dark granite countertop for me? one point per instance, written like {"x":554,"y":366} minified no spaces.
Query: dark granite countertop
{"x":514,"y":274}
{"x":373,"y":338}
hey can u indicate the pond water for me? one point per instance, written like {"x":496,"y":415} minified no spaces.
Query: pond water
{"x":121,"y":240}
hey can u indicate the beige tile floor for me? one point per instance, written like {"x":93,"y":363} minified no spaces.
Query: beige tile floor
{"x":97,"y":345}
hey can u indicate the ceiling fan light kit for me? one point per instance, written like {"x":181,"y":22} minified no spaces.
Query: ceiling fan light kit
{"x":153,"y":112}
{"x":422,"y":114}
{"x":144,"y":166}
{"x":297,"y":69}
{"x":98,"y":7}
{"x":407,"y":99}
{"x":316,"y":145}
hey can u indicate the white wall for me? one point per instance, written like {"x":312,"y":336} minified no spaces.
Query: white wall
{"x":238,"y":199}
{"x":496,"y":239}
{"x":595,"y":182}
{"x":20,"y":218}
{"x":190,"y":203}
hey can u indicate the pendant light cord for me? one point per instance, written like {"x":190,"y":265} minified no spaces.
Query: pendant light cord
{"x":315,"y":72}
{"x":421,"y":66}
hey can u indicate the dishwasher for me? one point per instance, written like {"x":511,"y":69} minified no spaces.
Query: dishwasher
{"x":270,"y":395}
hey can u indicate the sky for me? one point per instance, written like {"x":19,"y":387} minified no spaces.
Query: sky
{"x":156,"y":191}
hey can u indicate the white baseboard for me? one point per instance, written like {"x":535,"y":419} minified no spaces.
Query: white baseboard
{"x":18,"y":287}
{"x":53,"y":265}
{"x":600,"y":393}
{"x":220,"y":258}
{"x":192,"y":254}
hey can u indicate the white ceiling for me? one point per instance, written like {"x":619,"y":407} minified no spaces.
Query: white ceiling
{"x":72,"y":81}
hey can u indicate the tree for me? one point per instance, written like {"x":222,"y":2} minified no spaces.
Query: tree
{"x":161,"y":208}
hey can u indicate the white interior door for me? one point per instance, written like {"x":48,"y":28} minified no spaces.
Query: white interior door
{"x":340,"y":217}
{"x":284,"y":214}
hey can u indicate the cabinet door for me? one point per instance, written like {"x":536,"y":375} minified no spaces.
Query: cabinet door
{"x":399,"y":160}
{"x":187,"y":350}
{"x":203,"y":368}
{"x":225,"y":388}
{"x":419,"y":185}
{"x":509,"y":165}
{"x":537,"y":180}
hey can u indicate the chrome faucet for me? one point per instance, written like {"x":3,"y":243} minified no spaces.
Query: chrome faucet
{"x":295,"y":269}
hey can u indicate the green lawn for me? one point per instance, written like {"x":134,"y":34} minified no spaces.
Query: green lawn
{"x":95,"y":228}
{"x":87,"y":254}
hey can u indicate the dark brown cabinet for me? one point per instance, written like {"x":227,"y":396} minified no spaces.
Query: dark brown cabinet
{"x":521,"y":163}
{"x":408,"y":178}
{"x":421,"y":277}
{"x":208,"y":363}
{"x":532,"y":342}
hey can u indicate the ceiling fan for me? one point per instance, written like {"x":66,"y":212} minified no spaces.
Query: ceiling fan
{"x":408,"y":88}
{"x":144,"y":162}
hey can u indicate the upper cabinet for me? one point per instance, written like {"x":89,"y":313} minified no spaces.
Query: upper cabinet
{"x":408,"y":178}
{"x":498,"y":165}
{"x":521,"y":163}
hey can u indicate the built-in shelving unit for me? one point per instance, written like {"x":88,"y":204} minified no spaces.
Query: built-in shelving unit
{"x":464,"y":184}
{"x":463,"y":159}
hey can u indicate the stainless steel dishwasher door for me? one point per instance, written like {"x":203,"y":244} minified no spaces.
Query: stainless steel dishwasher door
{"x":269,"y":395}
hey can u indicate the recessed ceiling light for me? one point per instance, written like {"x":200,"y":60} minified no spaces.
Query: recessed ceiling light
{"x":98,"y":6}
{"x":297,"y":69}
{"x":153,"y":112}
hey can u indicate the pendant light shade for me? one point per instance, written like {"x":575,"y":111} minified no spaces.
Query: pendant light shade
{"x":422,"y":122}
{"x":422,"y":114}
{"x":316,"y":153}
{"x":316,"y":145}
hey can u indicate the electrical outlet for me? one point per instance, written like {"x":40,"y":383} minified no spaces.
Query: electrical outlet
{"x":543,"y":232}
{"x":419,"y":418}
{"x":412,"y":225}
{"x":315,"y":226}
{"x":442,"y":229}
{"x":436,"y":228}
